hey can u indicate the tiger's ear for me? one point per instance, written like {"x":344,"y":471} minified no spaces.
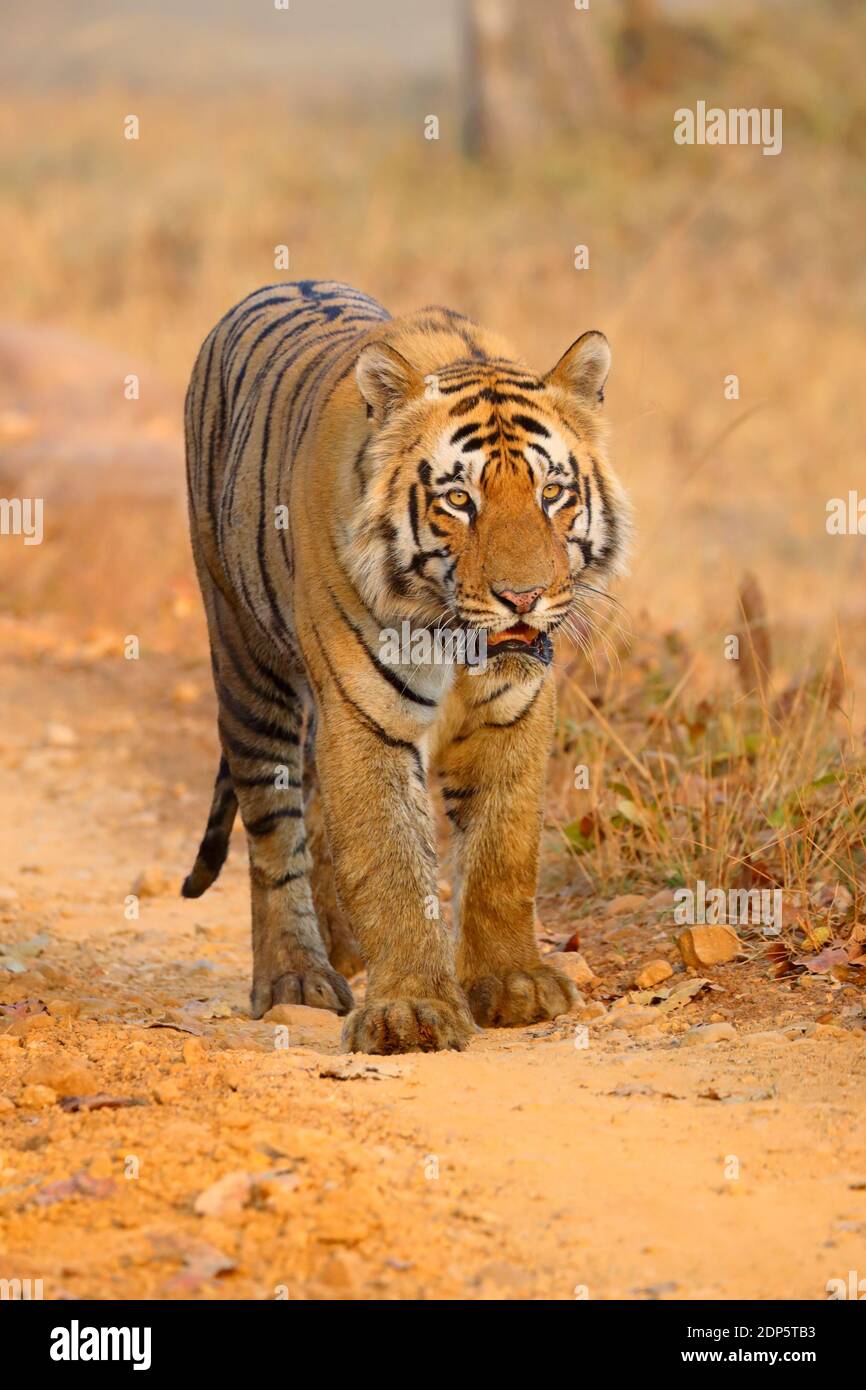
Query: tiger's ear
{"x":385,"y":379}
{"x":582,"y":370}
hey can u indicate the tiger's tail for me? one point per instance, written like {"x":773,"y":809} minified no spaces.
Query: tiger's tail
{"x":215,"y":844}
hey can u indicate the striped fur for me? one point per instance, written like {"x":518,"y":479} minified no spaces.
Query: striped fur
{"x":347,"y":473}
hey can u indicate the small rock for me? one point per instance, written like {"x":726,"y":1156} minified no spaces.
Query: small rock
{"x":225,"y":1198}
{"x":168,"y":1091}
{"x":633,"y":1017}
{"x":277,"y":1190}
{"x":708,"y":1033}
{"x":6,"y":1105}
{"x":65,"y":1074}
{"x":186,"y":693}
{"x":33,"y":946}
{"x":8,"y":899}
{"x":626,"y":902}
{"x":151,"y":883}
{"x":652,"y":974}
{"x":37,"y":1098}
{"x":340,"y":1271}
{"x":572,"y":964}
{"x":63,"y":1008}
{"x":832,"y":1030}
{"x":60,"y":736}
{"x":194,"y":1051}
{"x":708,"y":945}
{"x":619,"y":1035}
{"x":591,"y":1011}
{"x":305,"y":1025}
{"x":665,"y":897}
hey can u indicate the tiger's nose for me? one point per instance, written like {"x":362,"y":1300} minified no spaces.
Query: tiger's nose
{"x":521,"y":600}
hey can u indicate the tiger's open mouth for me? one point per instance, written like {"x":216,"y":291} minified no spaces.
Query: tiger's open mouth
{"x":522,"y":638}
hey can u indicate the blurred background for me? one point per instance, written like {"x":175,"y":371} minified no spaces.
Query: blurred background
{"x":305,"y":128}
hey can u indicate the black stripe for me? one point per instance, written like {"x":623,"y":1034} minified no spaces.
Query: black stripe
{"x":387,"y":674}
{"x":254,"y":723}
{"x":268,"y":823}
{"x":531,"y":426}
{"x":366,"y":718}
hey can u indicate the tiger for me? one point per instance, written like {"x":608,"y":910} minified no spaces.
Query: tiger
{"x":350,"y":474}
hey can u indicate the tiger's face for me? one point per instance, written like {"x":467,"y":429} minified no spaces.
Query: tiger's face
{"x":491,"y":502}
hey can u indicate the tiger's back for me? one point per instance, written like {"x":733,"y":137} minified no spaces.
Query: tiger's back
{"x":253,"y":390}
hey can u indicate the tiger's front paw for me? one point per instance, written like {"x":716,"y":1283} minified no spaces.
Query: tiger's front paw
{"x":312,"y":982}
{"x":514,"y":998}
{"x":408,"y":1025}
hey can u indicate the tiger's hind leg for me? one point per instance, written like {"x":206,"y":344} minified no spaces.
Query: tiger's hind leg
{"x":261,"y":717}
{"x":343,"y":950}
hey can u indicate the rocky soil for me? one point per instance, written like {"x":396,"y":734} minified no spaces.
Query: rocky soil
{"x":689,"y":1132}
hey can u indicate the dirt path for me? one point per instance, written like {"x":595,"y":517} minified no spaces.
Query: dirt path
{"x":532,"y":1166}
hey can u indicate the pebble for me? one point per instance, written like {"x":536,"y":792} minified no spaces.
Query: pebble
{"x":186,"y":693}
{"x":633,"y":1017}
{"x":8,"y":898}
{"x":572,"y":964}
{"x":194,"y":1051}
{"x":652,"y":974}
{"x":278,"y":1190}
{"x":305,"y":1025}
{"x":340,"y":1271}
{"x":33,"y":1023}
{"x":65,"y":1074}
{"x":665,"y":897}
{"x":168,"y":1091}
{"x":591,"y":1011}
{"x":831,"y":1030}
{"x":793,"y":1031}
{"x":151,"y":883}
{"x":36,"y":1098}
{"x":63,"y":1008}
{"x":60,"y":736}
{"x":225,"y":1198}
{"x":626,"y":902}
{"x":708,"y":945}
{"x":708,"y":1033}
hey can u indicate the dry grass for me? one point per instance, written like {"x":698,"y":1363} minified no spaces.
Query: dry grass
{"x":745,"y":787}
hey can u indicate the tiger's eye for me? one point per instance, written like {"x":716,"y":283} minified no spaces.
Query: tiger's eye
{"x":457,"y":497}
{"x":551,"y":492}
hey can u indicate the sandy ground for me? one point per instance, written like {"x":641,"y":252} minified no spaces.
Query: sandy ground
{"x":611,"y":1154}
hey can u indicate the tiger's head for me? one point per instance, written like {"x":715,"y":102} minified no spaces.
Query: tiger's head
{"x":488,"y":501}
